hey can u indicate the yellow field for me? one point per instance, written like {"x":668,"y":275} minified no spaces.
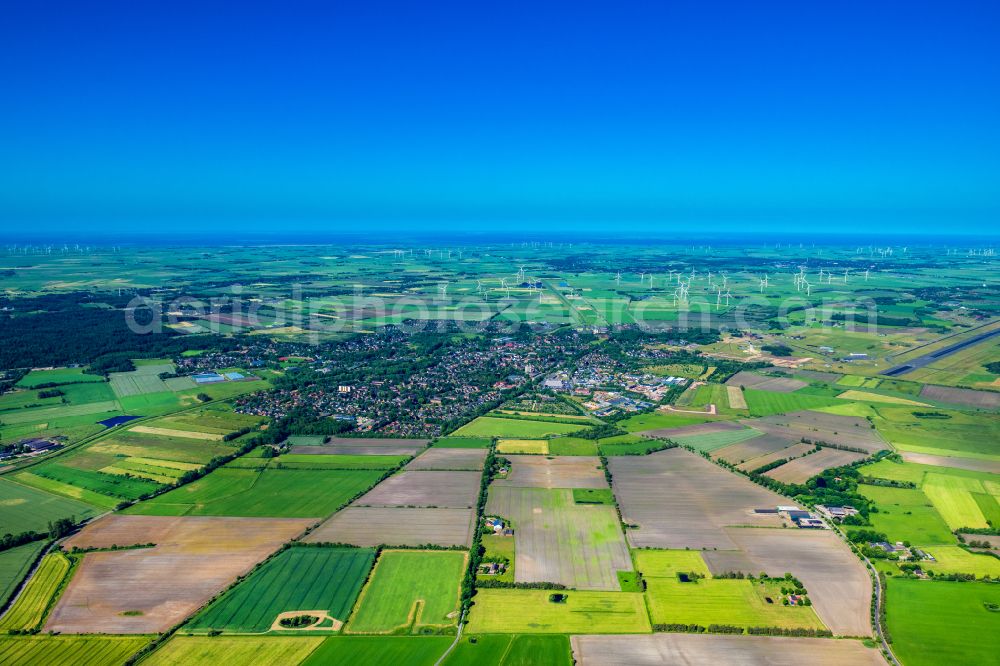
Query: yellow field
{"x":28,"y":610}
{"x":523,"y":446}
{"x":736,"y":399}
{"x":170,"y":432}
{"x":952,"y":497}
{"x":876,"y":397}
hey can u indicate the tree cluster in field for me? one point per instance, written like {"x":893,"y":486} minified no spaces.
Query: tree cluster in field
{"x":298,"y":621}
{"x":502,"y":584}
{"x":77,"y":550}
{"x":777,"y":349}
{"x":885,"y":483}
{"x":469,"y":583}
{"x":987,"y":531}
{"x":35,"y":332}
{"x":601,"y":431}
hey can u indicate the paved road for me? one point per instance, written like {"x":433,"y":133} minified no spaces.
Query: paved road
{"x":930,"y":357}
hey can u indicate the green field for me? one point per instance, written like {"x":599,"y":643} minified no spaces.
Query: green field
{"x":490,"y":426}
{"x":572,"y":446}
{"x":24,"y":509}
{"x":713,"y":601}
{"x":593,"y":496}
{"x":28,"y":610}
{"x":961,"y":434}
{"x":724,"y":601}
{"x":463,"y":443}
{"x":15,"y":563}
{"x":500,"y":546}
{"x":298,"y":578}
{"x":955,"y":559}
{"x":410,"y":591}
{"x":666,"y":563}
{"x":112,"y":485}
{"x":395,"y":650}
{"x":963,"y":498}
{"x":57,"y":376}
{"x":656,"y":420}
{"x":66,"y":490}
{"x":279,"y":493}
{"x":716,"y":440}
{"x":906,"y":515}
{"x":766,"y":403}
{"x":941,"y":622}
{"x":506,"y":650}
{"x":233,"y":650}
{"x":953,"y":497}
{"x":624,"y":445}
{"x":44,"y":414}
{"x":531,"y":612}
{"x":89,"y":650}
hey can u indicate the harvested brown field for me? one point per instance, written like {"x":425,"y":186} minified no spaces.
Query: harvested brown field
{"x":802,"y":469}
{"x":763,"y":383}
{"x":452,"y":490}
{"x":992,"y":539}
{"x":657,"y":649}
{"x":148,"y":590}
{"x":695,"y":429}
{"x":960,"y":396}
{"x":397,"y":526}
{"x":793,"y":451}
{"x":818,"y":376}
{"x":681,"y":500}
{"x":821,"y":427}
{"x":559,"y":541}
{"x":725,"y":561}
{"x":749,"y":449}
{"x":449,"y":459}
{"x":554,"y":472}
{"x":373,"y":446}
{"x":974,"y":464}
{"x":837,"y":581}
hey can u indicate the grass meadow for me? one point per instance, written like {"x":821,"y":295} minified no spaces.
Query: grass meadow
{"x":23,"y":508}
{"x":530,"y":611}
{"x":942,"y":622}
{"x":511,"y":650}
{"x":410,"y":591}
{"x":262,"y":492}
{"x":15,"y":563}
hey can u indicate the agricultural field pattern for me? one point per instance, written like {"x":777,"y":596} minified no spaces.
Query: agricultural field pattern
{"x":500,"y":451}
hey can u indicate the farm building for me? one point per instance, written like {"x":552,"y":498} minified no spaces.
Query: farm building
{"x":837,"y":513}
{"x":208,"y":378}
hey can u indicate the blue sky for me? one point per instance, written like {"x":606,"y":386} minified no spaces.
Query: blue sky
{"x":541,"y":116}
